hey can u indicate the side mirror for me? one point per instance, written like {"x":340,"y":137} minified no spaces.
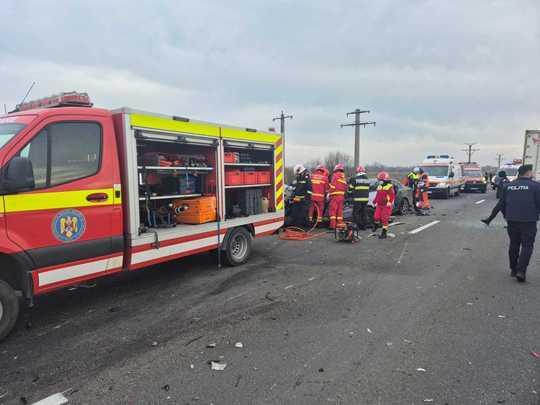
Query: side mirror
{"x":18,"y":175}
{"x":451,"y":174}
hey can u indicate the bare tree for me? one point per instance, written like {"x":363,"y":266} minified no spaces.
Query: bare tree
{"x":333,"y":158}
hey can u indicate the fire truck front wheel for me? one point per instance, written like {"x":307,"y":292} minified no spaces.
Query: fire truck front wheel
{"x":9,"y":309}
{"x":238,"y":247}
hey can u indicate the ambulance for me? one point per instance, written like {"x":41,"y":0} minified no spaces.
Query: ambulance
{"x":445,"y":175}
{"x":88,"y":192}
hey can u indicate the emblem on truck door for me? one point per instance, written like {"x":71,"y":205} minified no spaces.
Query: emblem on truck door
{"x":68,"y":225}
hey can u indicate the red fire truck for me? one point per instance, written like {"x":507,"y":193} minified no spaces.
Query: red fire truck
{"x":88,"y":192}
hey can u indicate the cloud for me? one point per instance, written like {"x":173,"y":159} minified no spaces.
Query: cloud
{"x":434,"y":74}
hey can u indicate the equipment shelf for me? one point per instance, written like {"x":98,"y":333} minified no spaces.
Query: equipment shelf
{"x":249,"y":164}
{"x":172,"y":196}
{"x":248,"y":185}
{"x":184,"y":168}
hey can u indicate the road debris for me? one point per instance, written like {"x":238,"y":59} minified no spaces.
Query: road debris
{"x":193,"y":340}
{"x":389,"y":344}
{"x":501,"y":316}
{"x":470,"y":303}
{"x":407,"y":341}
{"x":3,"y":394}
{"x":192,"y":366}
{"x":535,"y":354}
{"x":55,"y":399}
{"x":239,"y":345}
{"x":114,"y":309}
{"x":211,"y":345}
{"x":321,"y":370}
{"x":238,"y":380}
{"x":368,"y":330}
{"x":166,"y":387}
{"x":421,"y":370}
{"x":154,"y":344}
{"x":429,"y":400}
{"x":217,"y":365}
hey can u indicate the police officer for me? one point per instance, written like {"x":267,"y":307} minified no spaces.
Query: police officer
{"x":520,"y":204}
{"x":500,"y":186}
{"x":301,"y":197}
{"x":359,"y":191}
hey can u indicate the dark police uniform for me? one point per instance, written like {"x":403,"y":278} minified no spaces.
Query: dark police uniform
{"x":359,"y":191}
{"x":520,"y":204}
{"x":301,"y":200}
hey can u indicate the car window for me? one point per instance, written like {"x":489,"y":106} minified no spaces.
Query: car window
{"x":64,"y":152}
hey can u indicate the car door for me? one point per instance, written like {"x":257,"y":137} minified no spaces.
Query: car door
{"x":67,"y":224}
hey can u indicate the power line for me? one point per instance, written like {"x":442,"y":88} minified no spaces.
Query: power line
{"x":357,"y":124}
{"x":282,"y":119}
{"x":470,"y":150}
{"x":498,"y":159}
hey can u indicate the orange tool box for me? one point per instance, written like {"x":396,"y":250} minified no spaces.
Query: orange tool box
{"x":264,"y":177}
{"x":233,"y":178}
{"x":249,"y":177}
{"x":196,"y":210}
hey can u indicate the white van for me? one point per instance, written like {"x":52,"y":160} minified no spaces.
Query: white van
{"x":445,"y":175}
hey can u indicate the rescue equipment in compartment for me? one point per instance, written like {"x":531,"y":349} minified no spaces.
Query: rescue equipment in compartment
{"x":347,"y":232}
{"x":164,"y":216}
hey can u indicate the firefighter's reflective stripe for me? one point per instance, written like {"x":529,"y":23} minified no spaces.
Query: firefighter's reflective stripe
{"x":317,"y":195}
{"x":361,"y":199}
{"x":316,"y":181}
{"x":361,"y":188}
{"x":337,"y":193}
{"x":342,"y":181}
{"x":55,"y":200}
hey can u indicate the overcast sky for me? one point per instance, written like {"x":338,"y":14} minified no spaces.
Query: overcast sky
{"x":434,"y":73}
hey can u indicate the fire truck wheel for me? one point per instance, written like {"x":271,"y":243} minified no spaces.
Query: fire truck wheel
{"x":238,"y":247}
{"x":9,"y":309}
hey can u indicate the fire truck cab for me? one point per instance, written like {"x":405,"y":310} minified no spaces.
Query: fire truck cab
{"x":474,"y":180}
{"x":88,"y":192}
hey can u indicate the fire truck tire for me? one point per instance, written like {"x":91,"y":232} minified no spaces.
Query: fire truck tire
{"x":238,"y":247}
{"x":9,"y":309}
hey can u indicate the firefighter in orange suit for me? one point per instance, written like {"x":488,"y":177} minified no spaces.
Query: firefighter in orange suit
{"x":423,"y":190}
{"x":319,"y":184}
{"x":338,"y":188}
{"x":384,"y":202}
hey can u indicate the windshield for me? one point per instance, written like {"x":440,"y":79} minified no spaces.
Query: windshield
{"x":510,"y":171}
{"x":436,"y":171}
{"x":472,"y":173}
{"x":8,"y":131}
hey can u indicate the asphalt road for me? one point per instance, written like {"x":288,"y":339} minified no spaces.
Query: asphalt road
{"x":431,"y":317}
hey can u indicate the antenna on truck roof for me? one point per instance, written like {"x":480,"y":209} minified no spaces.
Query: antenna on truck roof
{"x":28,"y":92}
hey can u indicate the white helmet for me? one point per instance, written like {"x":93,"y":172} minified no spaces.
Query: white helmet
{"x":416,"y":170}
{"x":299,"y":169}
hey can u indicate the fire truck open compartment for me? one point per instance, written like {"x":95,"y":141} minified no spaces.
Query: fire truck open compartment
{"x":249,"y":185}
{"x":177,"y":180}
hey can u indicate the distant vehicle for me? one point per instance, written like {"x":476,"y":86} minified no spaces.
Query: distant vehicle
{"x":511,"y":169}
{"x":531,"y":151}
{"x":474,"y":180}
{"x":445,"y":175}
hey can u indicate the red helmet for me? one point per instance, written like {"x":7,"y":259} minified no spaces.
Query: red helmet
{"x":339,"y":166}
{"x":321,"y":168}
{"x":383,"y":176}
{"x":360,"y":169}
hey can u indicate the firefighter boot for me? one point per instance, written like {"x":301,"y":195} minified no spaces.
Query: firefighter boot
{"x":384,"y":234}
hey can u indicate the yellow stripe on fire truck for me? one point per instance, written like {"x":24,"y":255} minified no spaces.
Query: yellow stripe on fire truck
{"x":56,"y":200}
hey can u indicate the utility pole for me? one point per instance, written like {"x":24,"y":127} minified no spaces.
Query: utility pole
{"x":357,"y":124}
{"x":470,"y":150}
{"x":282,"y":119}
{"x":499,"y":158}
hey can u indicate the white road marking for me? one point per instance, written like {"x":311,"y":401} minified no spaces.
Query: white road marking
{"x":402,"y":253}
{"x":396,"y":223}
{"x":289,"y":286}
{"x":480,"y":201}
{"x":56,"y":399}
{"x":426,"y":226}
